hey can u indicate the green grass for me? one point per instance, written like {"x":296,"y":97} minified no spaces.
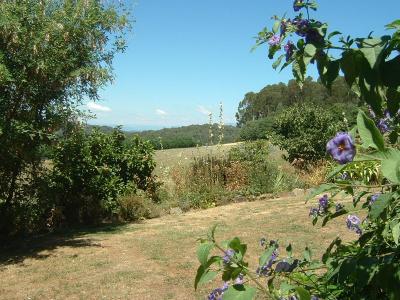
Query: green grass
{"x":152,"y":260}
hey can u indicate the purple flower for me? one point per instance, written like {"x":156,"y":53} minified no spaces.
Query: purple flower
{"x":274,"y":40}
{"x":297,"y":5}
{"x":314,"y":212}
{"x":313,"y":36}
{"x":239,"y":279}
{"x":228,"y":256}
{"x":289,"y":49}
{"x":353,"y":223}
{"x":218,"y":292}
{"x":374,"y":198}
{"x":345,"y":176}
{"x":302,"y":26}
{"x":383,"y":125}
{"x":341,"y":148}
{"x":386,"y":113}
{"x":323,"y":202}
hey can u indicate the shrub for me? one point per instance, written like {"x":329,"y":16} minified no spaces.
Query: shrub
{"x":90,"y":171}
{"x":256,"y":129}
{"x":134,"y":207}
{"x":302,"y":131}
{"x":262,"y":174}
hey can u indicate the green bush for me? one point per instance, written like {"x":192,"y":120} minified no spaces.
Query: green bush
{"x":303,"y":129}
{"x":90,"y":172}
{"x":256,"y":129}
{"x":263,"y":174}
{"x":134,"y":207}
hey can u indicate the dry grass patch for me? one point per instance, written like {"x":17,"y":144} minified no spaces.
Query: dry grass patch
{"x":152,"y":260}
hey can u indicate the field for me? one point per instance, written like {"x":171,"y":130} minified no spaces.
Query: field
{"x":154,"y":259}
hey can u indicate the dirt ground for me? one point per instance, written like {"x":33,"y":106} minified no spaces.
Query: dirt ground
{"x":155,"y":259}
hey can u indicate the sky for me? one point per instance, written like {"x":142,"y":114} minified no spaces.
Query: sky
{"x":184,"y":57}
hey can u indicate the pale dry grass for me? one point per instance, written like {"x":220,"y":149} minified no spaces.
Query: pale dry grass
{"x":152,"y":260}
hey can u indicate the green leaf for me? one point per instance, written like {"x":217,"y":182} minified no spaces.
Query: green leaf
{"x":275,"y":28}
{"x":380,"y":205}
{"x":303,"y":293}
{"x":203,"y":276}
{"x":394,"y":25}
{"x":372,"y":49}
{"x":278,"y":61}
{"x":203,"y":251}
{"x":267,"y":255}
{"x":391,"y":166}
{"x":396,"y":233}
{"x":332,"y":34}
{"x":310,"y":50}
{"x":286,"y":287}
{"x":239,"y":292}
{"x":369,"y":133}
{"x":321,"y":189}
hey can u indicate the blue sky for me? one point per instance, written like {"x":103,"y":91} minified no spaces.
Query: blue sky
{"x":186,"y":56}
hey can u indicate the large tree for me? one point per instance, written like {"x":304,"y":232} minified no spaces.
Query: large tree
{"x":53,"y":55}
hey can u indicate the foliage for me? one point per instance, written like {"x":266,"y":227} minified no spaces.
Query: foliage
{"x":53,"y":55}
{"x":366,"y":268}
{"x":187,"y":136}
{"x":303,"y":129}
{"x":91,"y":171}
{"x":256,"y":129}
{"x":138,"y":206}
{"x":270,"y":100}
{"x":263,"y":174}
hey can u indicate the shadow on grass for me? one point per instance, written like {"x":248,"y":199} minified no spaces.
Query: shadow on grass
{"x":16,"y":250}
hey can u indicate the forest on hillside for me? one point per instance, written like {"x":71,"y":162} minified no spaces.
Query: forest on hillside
{"x":184,"y":136}
{"x":275,"y":97}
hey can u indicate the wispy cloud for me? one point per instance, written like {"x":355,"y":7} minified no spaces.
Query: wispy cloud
{"x":203,"y":110}
{"x":161,"y":112}
{"x":98,"y":107}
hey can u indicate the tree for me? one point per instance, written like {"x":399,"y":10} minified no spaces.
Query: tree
{"x":53,"y":55}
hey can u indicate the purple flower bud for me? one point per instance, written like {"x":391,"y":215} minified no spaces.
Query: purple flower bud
{"x":313,"y":36}
{"x":297,"y":5}
{"x":374,"y":198}
{"x":339,"y":207}
{"x":218,"y":292}
{"x":383,"y":125}
{"x":228,"y":256}
{"x":344,"y":176}
{"x":239,"y":279}
{"x":371,"y":112}
{"x":341,"y":148}
{"x":274,"y":40}
{"x":353,"y":223}
{"x":323,"y":202}
{"x":289,"y":49}
{"x":284,"y":25}
{"x":266,"y":269}
{"x":314,"y":212}
{"x":302,"y":26}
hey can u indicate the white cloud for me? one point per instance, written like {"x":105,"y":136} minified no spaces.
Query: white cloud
{"x":97,"y":107}
{"x":203,"y":110}
{"x":161,"y":112}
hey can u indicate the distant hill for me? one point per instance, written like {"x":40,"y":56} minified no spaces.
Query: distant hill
{"x":181,"y":137}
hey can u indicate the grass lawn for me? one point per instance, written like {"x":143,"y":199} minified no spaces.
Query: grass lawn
{"x":152,"y":260}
